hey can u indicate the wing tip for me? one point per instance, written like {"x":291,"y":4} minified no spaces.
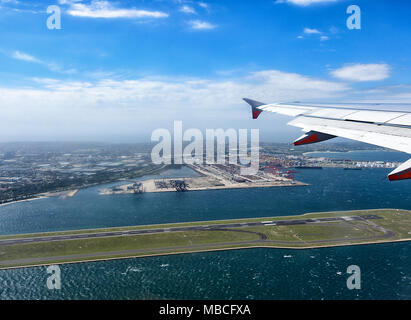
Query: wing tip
{"x":254,"y":105}
{"x":403,"y":172}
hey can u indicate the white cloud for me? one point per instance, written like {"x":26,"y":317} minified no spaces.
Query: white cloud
{"x":103,"y":9}
{"x":311,"y":31}
{"x":18,"y":55}
{"x":25,"y":57}
{"x":201,"y":25}
{"x":68,"y":1}
{"x":187,"y":9}
{"x":203,"y":5}
{"x":56,"y":108}
{"x":305,"y":3}
{"x":161,"y":92}
{"x":314,"y":32}
{"x":9,"y":1}
{"x":303,"y":84}
{"x":362,"y":72}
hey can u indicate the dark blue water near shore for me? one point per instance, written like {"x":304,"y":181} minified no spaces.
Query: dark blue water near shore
{"x":251,"y":274}
{"x":242,"y":274}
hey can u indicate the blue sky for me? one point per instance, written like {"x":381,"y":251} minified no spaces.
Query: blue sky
{"x":119,"y":69}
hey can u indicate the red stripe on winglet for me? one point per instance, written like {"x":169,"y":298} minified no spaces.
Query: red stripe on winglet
{"x":400,"y":176}
{"x":310,"y":139}
{"x":256,"y":113}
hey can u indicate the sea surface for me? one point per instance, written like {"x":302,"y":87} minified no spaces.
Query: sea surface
{"x":241,"y":274}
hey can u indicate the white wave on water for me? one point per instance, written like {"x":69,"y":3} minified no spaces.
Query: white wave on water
{"x":132,"y":269}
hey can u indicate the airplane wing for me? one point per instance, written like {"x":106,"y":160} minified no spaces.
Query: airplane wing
{"x":389,"y":129}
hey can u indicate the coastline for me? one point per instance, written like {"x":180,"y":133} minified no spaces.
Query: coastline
{"x":36,"y":197}
{"x":71,"y":192}
{"x":210,"y":188}
{"x":209,"y":179}
{"x":349,"y":151}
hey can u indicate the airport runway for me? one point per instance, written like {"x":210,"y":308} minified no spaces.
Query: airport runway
{"x":214,"y":227}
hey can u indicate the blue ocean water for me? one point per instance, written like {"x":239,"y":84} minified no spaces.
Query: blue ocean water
{"x":330,"y":189}
{"x":241,"y":274}
{"x":248,"y":274}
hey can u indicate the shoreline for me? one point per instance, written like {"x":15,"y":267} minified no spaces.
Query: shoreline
{"x":37,"y":197}
{"x":208,"y":180}
{"x":71,"y":192}
{"x":349,"y":151}
{"x":297,"y":184}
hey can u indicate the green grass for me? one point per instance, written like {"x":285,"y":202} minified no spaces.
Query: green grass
{"x":323,"y":231}
{"x":150,"y":241}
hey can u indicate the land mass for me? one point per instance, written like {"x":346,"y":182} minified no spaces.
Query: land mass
{"x":211,"y":177}
{"x":312,"y":230}
{"x":33,"y":170}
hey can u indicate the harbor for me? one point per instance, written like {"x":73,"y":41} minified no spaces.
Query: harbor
{"x":212,"y":177}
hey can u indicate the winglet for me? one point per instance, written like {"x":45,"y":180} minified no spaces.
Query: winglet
{"x":402,"y":172}
{"x":313,"y":137}
{"x":254,"y":105}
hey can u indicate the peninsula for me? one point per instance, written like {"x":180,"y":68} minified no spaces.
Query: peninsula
{"x":210,"y":177}
{"x":312,"y":230}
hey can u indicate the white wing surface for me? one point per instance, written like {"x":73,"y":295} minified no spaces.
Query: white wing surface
{"x":389,"y":129}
